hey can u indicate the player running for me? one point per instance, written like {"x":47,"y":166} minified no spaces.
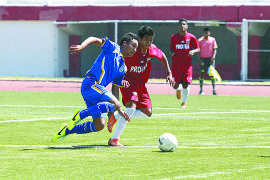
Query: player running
{"x":108,"y":67}
{"x":136,"y":97}
{"x":183,"y":46}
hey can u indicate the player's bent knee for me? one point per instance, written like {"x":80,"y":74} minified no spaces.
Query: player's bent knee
{"x":99,"y":127}
{"x":185,"y":86}
{"x":149,"y":115}
{"x":176,"y":85}
{"x":99,"y":123}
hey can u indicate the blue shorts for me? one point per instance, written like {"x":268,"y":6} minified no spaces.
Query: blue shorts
{"x":94,"y":93}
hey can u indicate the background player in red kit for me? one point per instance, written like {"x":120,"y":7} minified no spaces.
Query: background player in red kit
{"x":136,"y":97}
{"x":183,"y":46}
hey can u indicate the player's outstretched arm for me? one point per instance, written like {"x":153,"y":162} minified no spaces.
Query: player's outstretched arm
{"x":74,"y":49}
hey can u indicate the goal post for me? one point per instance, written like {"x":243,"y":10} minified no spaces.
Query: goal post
{"x":244,"y":50}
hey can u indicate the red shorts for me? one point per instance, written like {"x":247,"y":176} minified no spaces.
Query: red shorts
{"x":182,"y":71}
{"x":138,"y":93}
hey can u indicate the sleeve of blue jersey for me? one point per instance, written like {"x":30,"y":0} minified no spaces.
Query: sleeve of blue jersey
{"x":107,"y":45}
{"x":118,"y":81}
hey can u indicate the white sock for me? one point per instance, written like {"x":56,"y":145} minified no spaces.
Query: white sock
{"x":121,"y":125}
{"x":116,"y":115}
{"x":138,"y":114}
{"x":185,"y":94}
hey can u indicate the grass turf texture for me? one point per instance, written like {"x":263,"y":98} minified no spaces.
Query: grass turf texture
{"x":220,"y":137}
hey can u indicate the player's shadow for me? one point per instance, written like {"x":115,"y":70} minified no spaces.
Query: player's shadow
{"x":78,"y":147}
{"x":28,"y":149}
{"x":162,"y":151}
{"x":264,"y":156}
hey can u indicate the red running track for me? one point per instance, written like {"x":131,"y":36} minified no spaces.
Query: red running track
{"x":153,"y":88}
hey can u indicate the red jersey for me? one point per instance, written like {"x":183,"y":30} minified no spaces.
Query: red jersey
{"x":181,"y":45}
{"x":139,"y":65}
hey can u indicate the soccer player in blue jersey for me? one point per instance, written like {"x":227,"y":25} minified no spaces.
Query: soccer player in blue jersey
{"x":108,"y":67}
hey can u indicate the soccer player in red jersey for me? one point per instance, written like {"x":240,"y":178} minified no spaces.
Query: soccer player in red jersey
{"x":183,"y":46}
{"x":136,"y":97}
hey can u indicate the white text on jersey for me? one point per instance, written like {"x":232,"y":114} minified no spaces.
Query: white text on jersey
{"x":182,"y":46}
{"x":138,"y":69}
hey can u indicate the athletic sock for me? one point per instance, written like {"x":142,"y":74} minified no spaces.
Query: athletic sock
{"x":116,"y":115}
{"x":185,"y":94}
{"x":138,"y":114}
{"x":121,"y":125}
{"x":97,"y":109}
{"x":201,"y":83}
{"x":83,"y":128}
{"x":213,"y":83}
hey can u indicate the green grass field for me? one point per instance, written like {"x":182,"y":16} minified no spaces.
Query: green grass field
{"x":219,"y":137}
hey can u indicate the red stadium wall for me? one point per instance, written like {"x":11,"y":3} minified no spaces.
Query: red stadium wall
{"x":254,"y":12}
{"x":87,"y":13}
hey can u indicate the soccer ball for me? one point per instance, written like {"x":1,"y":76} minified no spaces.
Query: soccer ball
{"x":167,"y":142}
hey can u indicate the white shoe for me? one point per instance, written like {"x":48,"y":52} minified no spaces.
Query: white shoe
{"x":201,"y":93}
{"x":183,"y":105}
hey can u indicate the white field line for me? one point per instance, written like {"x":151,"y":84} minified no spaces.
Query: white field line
{"x":27,"y":120}
{"x":166,"y":114}
{"x":93,"y":146}
{"x":153,"y":108}
{"x":210,"y":174}
{"x":36,"y":106}
{"x":228,"y":112}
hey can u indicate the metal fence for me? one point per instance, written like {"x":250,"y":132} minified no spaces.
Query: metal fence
{"x":241,"y":55}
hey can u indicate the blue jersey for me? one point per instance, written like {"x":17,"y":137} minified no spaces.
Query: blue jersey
{"x":109,"y":65}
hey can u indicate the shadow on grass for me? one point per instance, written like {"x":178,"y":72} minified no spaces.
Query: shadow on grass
{"x":79,"y":147}
{"x":162,"y":151}
{"x":26,"y":149}
{"x":264,"y":156}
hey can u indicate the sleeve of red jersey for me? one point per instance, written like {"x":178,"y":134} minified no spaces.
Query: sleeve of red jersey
{"x":154,"y":51}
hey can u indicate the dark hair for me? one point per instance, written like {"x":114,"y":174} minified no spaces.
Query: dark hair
{"x":145,"y":30}
{"x":206,"y":29}
{"x":128,"y":37}
{"x":182,"y":19}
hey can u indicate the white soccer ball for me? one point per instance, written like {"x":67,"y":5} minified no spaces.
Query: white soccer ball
{"x":167,"y":142}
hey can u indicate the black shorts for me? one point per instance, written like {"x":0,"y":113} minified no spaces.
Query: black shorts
{"x":206,"y":64}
